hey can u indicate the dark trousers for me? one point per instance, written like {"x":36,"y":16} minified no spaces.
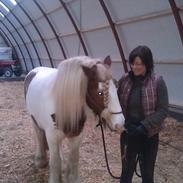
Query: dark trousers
{"x":143,"y":147}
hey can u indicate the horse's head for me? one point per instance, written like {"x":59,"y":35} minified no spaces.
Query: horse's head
{"x":102,"y":96}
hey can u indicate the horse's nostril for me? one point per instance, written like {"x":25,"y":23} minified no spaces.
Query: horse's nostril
{"x":103,"y":119}
{"x":118,"y":126}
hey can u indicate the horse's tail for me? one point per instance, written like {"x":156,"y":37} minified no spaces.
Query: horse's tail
{"x":28,"y":80}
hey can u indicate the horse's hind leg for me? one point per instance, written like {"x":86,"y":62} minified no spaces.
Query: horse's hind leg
{"x":73,"y":160}
{"x":41,"y":146}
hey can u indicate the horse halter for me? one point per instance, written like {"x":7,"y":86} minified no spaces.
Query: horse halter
{"x":106,"y":102}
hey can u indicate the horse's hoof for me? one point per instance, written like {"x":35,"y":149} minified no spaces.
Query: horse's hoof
{"x":56,"y":180}
{"x":41,"y":162}
{"x":71,"y":179}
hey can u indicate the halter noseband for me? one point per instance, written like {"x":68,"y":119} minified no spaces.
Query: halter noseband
{"x":115,"y":112}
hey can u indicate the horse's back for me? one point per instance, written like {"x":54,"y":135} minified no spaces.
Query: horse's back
{"x":39,"y":77}
{"x":39,"y":99}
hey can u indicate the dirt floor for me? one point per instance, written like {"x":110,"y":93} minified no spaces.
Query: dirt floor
{"x":17,"y":147}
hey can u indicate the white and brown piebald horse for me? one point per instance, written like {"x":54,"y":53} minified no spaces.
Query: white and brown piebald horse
{"x":58,"y":101}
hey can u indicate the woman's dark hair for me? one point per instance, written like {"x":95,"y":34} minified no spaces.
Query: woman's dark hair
{"x":146,"y":56}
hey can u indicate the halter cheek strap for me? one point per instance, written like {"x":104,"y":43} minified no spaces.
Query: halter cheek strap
{"x":106,"y":96}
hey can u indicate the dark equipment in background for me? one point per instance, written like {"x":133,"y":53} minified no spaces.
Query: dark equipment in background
{"x":10,"y":67}
{"x":8,"y":64}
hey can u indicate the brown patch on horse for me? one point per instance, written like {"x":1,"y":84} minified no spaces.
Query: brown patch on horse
{"x":95,"y":98}
{"x":68,"y":130}
{"x":28,"y":80}
{"x":72,"y":132}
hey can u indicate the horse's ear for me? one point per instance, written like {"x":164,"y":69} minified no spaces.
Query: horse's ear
{"x":115,"y":83}
{"x":107,"y":61}
{"x":90,"y":72}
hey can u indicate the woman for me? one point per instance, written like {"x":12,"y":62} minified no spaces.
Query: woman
{"x":144,"y":100}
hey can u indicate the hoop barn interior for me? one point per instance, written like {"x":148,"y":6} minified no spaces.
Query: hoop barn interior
{"x":17,"y":147}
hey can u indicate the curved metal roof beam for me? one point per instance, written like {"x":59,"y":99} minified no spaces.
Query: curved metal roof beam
{"x":21,"y":39}
{"x":5,"y":38}
{"x":177,"y":18}
{"x":8,"y":41}
{"x":75,"y":26}
{"x":16,"y":44}
{"x":13,"y":2}
{"x":4,"y":6}
{"x":35,"y":49}
{"x":112,"y":25}
{"x":52,"y":28}
{"x":40,"y":35}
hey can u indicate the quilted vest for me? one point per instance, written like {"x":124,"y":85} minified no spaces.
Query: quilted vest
{"x":149,"y":93}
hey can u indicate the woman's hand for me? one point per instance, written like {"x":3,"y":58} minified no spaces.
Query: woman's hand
{"x":135,"y":131}
{"x":139,"y":131}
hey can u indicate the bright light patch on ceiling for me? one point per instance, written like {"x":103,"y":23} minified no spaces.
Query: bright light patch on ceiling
{"x":4,"y":6}
{"x":13,"y":2}
{"x":1,"y":15}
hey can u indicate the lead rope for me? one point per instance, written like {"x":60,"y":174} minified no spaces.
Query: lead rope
{"x":106,"y":101}
{"x":105,"y":152}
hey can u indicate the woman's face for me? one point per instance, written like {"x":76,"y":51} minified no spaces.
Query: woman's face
{"x":138,"y":67}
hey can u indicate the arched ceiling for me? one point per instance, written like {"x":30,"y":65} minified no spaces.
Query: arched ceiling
{"x":45,"y":32}
{"x":35,"y":28}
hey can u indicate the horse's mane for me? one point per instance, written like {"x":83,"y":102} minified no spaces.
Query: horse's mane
{"x":70,"y":92}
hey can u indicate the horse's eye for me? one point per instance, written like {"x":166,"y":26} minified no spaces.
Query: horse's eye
{"x":100,"y":93}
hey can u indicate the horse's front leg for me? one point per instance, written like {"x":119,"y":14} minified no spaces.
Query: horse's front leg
{"x":54,"y":141}
{"x":73,"y":160}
